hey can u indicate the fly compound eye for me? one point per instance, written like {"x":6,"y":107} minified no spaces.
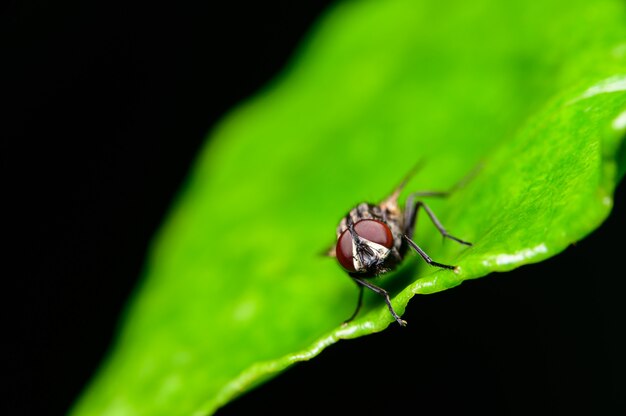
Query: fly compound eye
{"x":371,"y":230}
{"x":343,"y":250}
{"x":374,"y":231}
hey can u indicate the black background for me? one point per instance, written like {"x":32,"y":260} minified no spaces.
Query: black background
{"x":106,"y":106}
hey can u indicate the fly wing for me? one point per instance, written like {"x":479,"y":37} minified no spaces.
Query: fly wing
{"x":390,"y":204}
{"x":392,"y":200}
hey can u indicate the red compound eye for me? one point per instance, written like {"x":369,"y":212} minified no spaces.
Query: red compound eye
{"x":343,"y":250}
{"x":372,"y":230}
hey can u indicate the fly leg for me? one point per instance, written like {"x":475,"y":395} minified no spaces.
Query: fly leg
{"x":410,"y":218}
{"x":358,"y":305}
{"x":382,"y":292}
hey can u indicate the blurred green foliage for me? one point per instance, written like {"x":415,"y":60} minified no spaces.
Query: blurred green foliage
{"x":235,"y":289}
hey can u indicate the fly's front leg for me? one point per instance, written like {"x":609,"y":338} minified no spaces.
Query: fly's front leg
{"x":382,"y":292}
{"x":426,"y":257}
{"x":358,"y":305}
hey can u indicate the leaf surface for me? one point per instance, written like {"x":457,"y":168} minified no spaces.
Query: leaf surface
{"x":529,"y":97}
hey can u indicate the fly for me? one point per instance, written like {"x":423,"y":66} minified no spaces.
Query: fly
{"x":373,"y":239}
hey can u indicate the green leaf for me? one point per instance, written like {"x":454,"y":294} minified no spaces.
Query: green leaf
{"x":530,"y":96}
